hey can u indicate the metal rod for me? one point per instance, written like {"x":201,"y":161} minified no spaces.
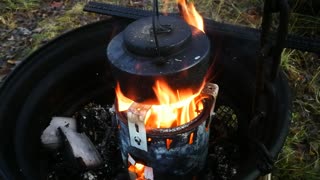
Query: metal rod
{"x":281,"y":37}
{"x":154,"y":26}
{"x":294,"y":42}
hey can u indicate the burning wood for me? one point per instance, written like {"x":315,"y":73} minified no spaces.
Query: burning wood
{"x":51,"y":137}
{"x":177,"y":151}
{"x":139,"y":171}
{"x":175,"y":109}
{"x":81,"y":149}
{"x":78,"y":146}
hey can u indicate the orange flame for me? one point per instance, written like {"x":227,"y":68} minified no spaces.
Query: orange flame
{"x":138,"y":169}
{"x":174,"y":109}
{"x":123,"y":102}
{"x":190,"y":14}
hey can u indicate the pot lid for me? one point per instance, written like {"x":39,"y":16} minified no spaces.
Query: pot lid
{"x":172,"y":34}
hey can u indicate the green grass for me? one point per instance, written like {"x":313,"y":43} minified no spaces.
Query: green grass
{"x":54,"y":26}
{"x":18,"y":5}
{"x":51,"y":26}
{"x":300,"y":157}
{"x":233,"y":12}
{"x":9,"y":7}
{"x":8,"y":20}
{"x":305,"y":25}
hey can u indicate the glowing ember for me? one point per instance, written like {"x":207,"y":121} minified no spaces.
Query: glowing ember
{"x":138,"y":169}
{"x":175,"y":107}
{"x":190,"y":14}
{"x":168,"y":143}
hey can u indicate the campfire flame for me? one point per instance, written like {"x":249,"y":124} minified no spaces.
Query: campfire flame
{"x":175,"y":107}
{"x":190,"y":14}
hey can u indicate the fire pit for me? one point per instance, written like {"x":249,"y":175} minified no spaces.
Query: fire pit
{"x":72,"y":71}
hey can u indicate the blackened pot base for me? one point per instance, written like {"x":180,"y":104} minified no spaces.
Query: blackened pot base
{"x":95,"y":121}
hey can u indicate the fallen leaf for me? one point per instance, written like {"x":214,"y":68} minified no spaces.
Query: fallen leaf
{"x":56,"y":4}
{"x":11,"y":38}
{"x":24,"y":31}
{"x":12,"y":62}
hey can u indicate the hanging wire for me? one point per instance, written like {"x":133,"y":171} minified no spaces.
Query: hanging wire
{"x":157,"y":28}
{"x":157,"y":10}
{"x":154,"y":29}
